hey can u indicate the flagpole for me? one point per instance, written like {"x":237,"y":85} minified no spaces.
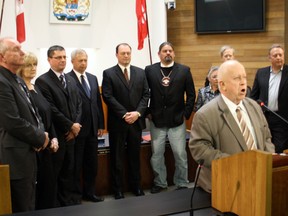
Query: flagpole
{"x":148,"y":34}
{"x":1,"y":18}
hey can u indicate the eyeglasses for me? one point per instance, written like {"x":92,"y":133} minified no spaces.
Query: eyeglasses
{"x":59,"y":57}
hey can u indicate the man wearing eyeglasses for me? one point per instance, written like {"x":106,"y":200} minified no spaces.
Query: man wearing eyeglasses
{"x":62,"y":93}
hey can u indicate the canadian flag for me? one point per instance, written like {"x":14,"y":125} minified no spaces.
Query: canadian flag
{"x":142,"y":22}
{"x":20,"y":23}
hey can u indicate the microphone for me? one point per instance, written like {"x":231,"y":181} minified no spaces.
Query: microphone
{"x":261,"y":103}
{"x":200,"y":165}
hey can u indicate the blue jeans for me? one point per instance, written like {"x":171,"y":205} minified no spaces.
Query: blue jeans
{"x":177,"y":140}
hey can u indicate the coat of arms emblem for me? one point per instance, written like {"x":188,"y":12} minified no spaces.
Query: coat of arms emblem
{"x":71,"y":10}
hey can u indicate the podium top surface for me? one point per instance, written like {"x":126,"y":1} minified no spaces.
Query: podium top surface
{"x":280,"y":160}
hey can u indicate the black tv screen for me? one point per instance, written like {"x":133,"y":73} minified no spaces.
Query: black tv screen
{"x":227,"y":16}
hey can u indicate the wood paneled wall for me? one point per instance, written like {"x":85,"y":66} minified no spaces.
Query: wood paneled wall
{"x":200,"y":52}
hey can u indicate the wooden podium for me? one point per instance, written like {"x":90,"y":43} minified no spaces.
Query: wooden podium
{"x":5,"y":194}
{"x":252,"y":183}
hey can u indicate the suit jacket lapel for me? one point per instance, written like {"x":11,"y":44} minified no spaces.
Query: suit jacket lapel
{"x":158,"y":76}
{"x":253,"y":118}
{"x":284,"y":78}
{"x":91,"y":84}
{"x":120,"y":74}
{"x":56,"y":80}
{"x":266,"y":77}
{"x":73,"y":74}
{"x":174,"y":72}
{"x":232,"y":124}
{"x":23,"y":95}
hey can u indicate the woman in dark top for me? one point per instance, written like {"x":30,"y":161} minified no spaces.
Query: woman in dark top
{"x":46,"y":183}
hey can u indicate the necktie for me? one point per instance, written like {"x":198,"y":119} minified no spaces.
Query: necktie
{"x":62,"y":80}
{"x":85,"y":86}
{"x":245,"y":130}
{"x":126,"y":75}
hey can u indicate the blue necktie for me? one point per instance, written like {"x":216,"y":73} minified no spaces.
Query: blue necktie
{"x":85,"y":86}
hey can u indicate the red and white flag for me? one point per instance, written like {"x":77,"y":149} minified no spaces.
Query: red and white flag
{"x":142,"y":22}
{"x":20,"y":23}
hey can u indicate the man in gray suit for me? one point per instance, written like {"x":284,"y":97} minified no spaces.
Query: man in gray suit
{"x":216,"y":130}
{"x":21,"y":128}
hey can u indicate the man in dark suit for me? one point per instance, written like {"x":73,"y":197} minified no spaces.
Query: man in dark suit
{"x":92,"y":121}
{"x":271,"y":87}
{"x":125,"y":91}
{"x":172,"y":101}
{"x":216,"y":129}
{"x":62,"y":93}
{"x":21,"y":130}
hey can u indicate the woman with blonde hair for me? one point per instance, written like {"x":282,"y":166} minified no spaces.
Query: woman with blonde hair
{"x":46,"y":184}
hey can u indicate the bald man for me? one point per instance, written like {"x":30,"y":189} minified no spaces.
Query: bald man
{"x":216,"y":130}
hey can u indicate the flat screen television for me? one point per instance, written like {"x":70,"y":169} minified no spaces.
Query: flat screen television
{"x":228,"y":16}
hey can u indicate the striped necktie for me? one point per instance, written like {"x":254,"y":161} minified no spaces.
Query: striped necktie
{"x":245,"y":130}
{"x":62,"y":80}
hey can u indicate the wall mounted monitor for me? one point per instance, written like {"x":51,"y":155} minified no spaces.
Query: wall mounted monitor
{"x":228,"y":16}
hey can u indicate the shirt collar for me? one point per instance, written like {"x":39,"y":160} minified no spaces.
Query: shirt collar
{"x":166,"y":66}
{"x":58,"y":74}
{"x":78,"y":74}
{"x":271,"y":70}
{"x":232,"y":106}
{"x":122,"y":67}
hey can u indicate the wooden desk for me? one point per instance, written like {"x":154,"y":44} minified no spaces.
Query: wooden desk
{"x":279,"y":185}
{"x":103,"y":180}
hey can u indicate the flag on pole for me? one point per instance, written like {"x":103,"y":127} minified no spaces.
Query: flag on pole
{"x":142,"y":22}
{"x":20,"y":24}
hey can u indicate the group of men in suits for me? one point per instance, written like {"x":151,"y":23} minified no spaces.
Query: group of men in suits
{"x":23,"y":134}
{"x":78,"y":118}
{"x":216,"y":132}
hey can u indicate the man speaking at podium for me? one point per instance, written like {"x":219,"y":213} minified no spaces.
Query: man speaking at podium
{"x":229,"y":124}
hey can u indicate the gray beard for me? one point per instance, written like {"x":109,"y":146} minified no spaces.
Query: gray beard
{"x":168,"y":59}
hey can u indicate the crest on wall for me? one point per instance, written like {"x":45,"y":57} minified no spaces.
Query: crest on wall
{"x":70,"y":11}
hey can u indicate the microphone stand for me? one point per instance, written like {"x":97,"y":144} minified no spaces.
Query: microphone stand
{"x":200,"y":165}
{"x":261,"y":103}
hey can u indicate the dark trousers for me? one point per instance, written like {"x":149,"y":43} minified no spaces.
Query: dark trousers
{"x":23,"y":194}
{"x":279,"y":132}
{"x":86,"y":162}
{"x":46,"y":195}
{"x":118,"y":142}
{"x":63,"y":163}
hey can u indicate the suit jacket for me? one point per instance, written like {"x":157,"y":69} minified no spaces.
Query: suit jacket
{"x":168,"y":105}
{"x":92,"y":117}
{"x":19,"y":130}
{"x":261,"y":87}
{"x":65,"y":103}
{"x":122,"y":98}
{"x":216,"y":134}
